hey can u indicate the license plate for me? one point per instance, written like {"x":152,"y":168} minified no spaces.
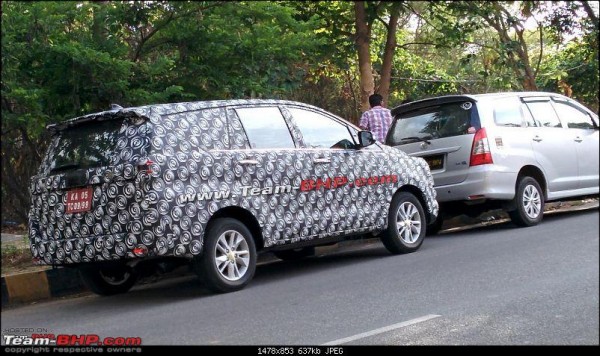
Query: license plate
{"x":435,"y":162}
{"x":79,"y":200}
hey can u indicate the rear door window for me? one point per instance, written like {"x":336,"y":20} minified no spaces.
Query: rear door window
{"x":543,"y":114}
{"x":438,"y":121}
{"x":265,"y":127}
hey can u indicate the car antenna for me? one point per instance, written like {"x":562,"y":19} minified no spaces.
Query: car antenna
{"x":115,"y":107}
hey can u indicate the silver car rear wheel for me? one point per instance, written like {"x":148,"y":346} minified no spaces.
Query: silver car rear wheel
{"x":528,"y":203}
{"x":532,"y":203}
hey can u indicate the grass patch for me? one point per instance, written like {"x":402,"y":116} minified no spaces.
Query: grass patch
{"x":16,"y":257}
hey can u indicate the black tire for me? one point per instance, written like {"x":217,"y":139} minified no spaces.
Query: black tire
{"x":435,"y":226}
{"x":295,"y":254}
{"x":233,"y":277}
{"x":108,"y":280}
{"x":405,"y":242}
{"x":529,"y":203}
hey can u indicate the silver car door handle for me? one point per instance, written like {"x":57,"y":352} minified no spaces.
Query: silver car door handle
{"x":578,"y":139}
{"x":537,"y":138}
{"x":248,"y":161}
{"x":322,"y":160}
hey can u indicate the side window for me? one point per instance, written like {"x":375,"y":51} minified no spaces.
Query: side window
{"x":573,"y":117}
{"x":507,"y":112}
{"x":529,"y":121}
{"x":265,"y":127}
{"x":543,"y":114}
{"x":204,"y":129}
{"x":321,"y":131}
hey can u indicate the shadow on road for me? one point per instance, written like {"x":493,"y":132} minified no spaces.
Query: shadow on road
{"x":286,"y":269}
{"x":185,"y":285}
{"x":496,"y":226}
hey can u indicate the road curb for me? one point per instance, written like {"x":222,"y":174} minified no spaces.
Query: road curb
{"x":40,"y":285}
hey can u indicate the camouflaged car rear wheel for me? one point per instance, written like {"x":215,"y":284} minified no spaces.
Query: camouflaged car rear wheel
{"x":228,"y":261}
{"x":109,"y":279}
{"x":406,"y":224}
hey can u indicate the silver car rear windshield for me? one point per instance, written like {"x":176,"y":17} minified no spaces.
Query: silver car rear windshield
{"x":432,"y":122}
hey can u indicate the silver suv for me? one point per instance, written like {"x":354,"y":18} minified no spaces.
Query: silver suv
{"x":124,"y":192}
{"x":504,"y":150}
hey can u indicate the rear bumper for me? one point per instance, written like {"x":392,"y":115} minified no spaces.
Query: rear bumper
{"x":104,"y":248}
{"x":482,"y":182}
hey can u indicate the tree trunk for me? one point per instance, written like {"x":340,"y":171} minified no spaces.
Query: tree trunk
{"x":518,"y":58}
{"x":363,"y":33}
{"x":388,"y":56}
{"x":529,"y":79}
{"x":99,"y":32}
{"x":590,"y":13}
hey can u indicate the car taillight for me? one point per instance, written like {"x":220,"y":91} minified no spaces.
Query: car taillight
{"x":145,"y":166}
{"x":480,"y":153}
{"x":140,"y":251}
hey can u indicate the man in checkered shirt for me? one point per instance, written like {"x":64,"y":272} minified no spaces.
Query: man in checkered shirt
{"x":378,"y":119}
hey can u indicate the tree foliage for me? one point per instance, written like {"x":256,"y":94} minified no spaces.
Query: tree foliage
{"x":66,"y":59}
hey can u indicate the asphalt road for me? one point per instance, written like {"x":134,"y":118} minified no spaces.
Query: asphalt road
{"x":492,"y":285}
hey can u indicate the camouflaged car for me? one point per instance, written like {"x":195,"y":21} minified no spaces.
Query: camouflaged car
{"x":127,"y":191}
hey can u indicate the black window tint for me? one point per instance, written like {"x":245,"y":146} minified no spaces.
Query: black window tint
{"x":432,"y":122}
{"x":321,"y":131}
{"x":87,"y":145}
{"x":265,"y":127}
{"x":543,"y":114}
{"x":573,"y":117}
{"x":507,"y":112}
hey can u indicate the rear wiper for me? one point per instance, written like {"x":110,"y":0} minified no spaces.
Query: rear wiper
{"x":417,"y":139}
{"x":64,"y":167}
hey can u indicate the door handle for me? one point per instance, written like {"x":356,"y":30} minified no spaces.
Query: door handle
{"x":321,"y":160}
{"x":248,"y":162}
{"x":537,"y":138}
{"x":578,"y":139}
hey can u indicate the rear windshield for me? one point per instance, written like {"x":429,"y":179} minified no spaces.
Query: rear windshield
{"x":432,"y":122}
{"x":87,"y":145}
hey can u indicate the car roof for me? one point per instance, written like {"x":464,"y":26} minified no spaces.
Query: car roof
{"x":417,"y":104}
{"x":171,"y":109}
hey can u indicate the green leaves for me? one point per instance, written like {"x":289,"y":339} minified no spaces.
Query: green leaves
{"x":65,"y":59}
{"x":577,"y":66}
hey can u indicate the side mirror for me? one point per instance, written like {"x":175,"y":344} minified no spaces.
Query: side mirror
{"x":365,"y":138}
